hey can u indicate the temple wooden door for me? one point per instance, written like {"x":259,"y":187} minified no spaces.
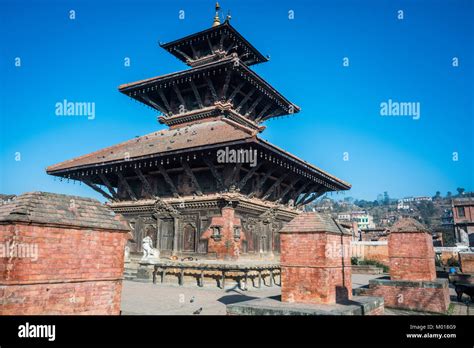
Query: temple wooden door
{"x":189,"y":238}
{"x":166,"y":235}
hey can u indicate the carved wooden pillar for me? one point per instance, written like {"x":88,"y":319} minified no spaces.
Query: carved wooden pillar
{"x":175,"y":235}
{"x":158,"y":234}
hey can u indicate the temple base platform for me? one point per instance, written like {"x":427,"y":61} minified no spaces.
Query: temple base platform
{"x":211,"y":273}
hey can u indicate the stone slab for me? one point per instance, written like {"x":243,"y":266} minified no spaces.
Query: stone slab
{"x":359,"y":305}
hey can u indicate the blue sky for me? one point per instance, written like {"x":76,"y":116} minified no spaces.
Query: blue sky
{"x":408,"y":60}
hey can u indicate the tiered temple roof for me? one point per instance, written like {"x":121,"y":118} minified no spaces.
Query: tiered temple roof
{"x":219,"y":102}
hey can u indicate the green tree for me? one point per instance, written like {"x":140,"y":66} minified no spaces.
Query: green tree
{"x":460,"y":191}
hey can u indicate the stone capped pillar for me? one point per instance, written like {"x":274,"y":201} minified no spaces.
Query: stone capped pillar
{"x":64,"y":255}
{"x":411,"y":252}
{"x":315,"y":260}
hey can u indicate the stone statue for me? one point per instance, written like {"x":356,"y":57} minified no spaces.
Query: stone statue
{"x":126,"y":254}
{"x":148,"y":251}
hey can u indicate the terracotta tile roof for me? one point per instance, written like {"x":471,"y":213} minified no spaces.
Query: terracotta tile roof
{"x":313,"y":222}
{"x":62,"y":210}
{"x":161,"y":142}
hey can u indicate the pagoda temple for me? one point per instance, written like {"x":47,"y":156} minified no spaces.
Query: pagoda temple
{"x":207,"y":186}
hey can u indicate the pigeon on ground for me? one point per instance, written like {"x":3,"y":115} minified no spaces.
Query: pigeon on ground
{"x":198,"y":311}
{"x":192,"y":299}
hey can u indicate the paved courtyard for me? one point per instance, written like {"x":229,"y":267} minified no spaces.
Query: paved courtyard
{"x":157,"y":299}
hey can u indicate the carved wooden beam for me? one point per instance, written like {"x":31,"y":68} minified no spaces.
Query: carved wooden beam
{"x":97,"y":189}
{"x":245,"y":99}
{"x":155,"y":105}
{"x":231,"y":46}
{"x":215,"y":173}
{"x":196,"y":93}
{"x":183,"y":54}
{"x":210,"y":44}
{"x":262,"y":113}
{"x":235,"y":173}
{"x":107,"y":184}
{"x":127,"y":186}
{"x":212,"y":89}
{"x":165,"y":101}
{"x":247,"y":176}
{"x":221,"y":42}
{"x":226,"y":84}
{"x":195,"y":54}
{"x":180,"y":97}
{"x":295,"y":196}
{"x":235,"y":91}
{"x":274,"y":186}
{"x":287,"y":189}
{"x":273,"y":113}
{"x":191,"y":175}
{"x":168,"y":180}
{"x":253,"y":106}
{"x":261,"y":182}
{"x":311,"y":189}
{"x":145,"y":182}
{"x":312,"y":198}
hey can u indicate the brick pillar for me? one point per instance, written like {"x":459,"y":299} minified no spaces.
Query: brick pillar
{"x":65,"y":255}
{"x":315,"y":260}
{"x":411,"y":252}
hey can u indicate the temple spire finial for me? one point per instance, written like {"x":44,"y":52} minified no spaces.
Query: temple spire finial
{"x":217,"y":20}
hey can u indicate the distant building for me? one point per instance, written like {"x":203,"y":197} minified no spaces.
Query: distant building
{"x":463,"y":218}
{"x":363,"y":220}
{"x":416,"y":199}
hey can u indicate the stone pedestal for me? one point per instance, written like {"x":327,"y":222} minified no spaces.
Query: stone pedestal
{"x":412,"y":284}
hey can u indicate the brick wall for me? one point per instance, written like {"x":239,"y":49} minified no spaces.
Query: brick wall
{"x":225,"y":246}
{"x":77,"y":271}
{"x":375,"y":251}
{"x":413,"y":296}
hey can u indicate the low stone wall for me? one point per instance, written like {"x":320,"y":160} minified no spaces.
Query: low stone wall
{"x":426,"y":296}
{"x":366,"y":269}
{"x":375,"y":251}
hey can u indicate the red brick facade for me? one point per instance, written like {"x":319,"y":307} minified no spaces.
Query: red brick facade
{"x":411,"y":255}
{"x":225,"y":235}
{"x":78,"y":271}
{"x":315,"y":261}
